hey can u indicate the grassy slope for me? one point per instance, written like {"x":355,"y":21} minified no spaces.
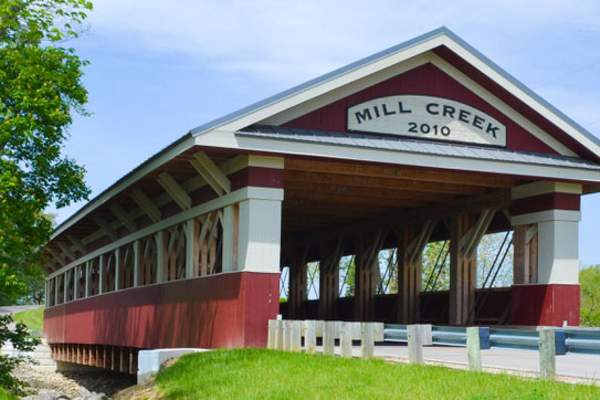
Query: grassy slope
{"x":5,"y":396}
{"x":264,"y":374}
{"x":32,"y":318}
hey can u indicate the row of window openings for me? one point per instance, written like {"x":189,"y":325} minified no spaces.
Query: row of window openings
{"x":494,"y":268}
{"x":209,"y":262}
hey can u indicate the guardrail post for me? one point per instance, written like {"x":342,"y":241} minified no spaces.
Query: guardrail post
{"x":310,"y":336}
{"x":367,"y":340}
{"x":296,"y":336}
{"x":415,"y":344}
{"x":547,"y":353}
{"x":474,"y":348}
{"x":346,"y":339}
{"x":272,"y":334}
{"x":279,"y":335}
{"x":329,"y":334}
{"x":287,"y":335}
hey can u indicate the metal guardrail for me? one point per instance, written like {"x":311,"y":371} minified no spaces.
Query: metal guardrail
{"x":567,"y":340}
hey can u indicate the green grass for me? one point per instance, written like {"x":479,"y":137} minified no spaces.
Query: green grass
{"x":34,"y":319}
{"x":265,"y":374}
{"x":4,"y":395}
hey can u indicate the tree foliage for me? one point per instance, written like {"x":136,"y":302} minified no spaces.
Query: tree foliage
{"x":21,"y":340}
{"x":40,"y":90}
{"x":589,"y":279}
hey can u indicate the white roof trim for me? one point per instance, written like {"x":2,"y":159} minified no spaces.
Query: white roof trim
{"x":225,"y":139}
{"x":442,"y":36}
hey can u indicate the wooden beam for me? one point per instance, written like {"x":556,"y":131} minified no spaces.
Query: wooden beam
{"x":329,"y":281}
{"x":497,"y":199}
{"x":66,"y":250}
{"x":472,"y":238}
{"x":108,"y":231}
{"x":177,"y":193}
{"x":211,"y":173}
{"x":370,"y":193}
{"x":463,"y":272}
{"x":406,"y":173}
{"x":310,"y":178}
{"x":331,"y":194}
{"x":79,"y":246}
{"x":123,"y":217}
{"x":146,"y":205}
{"x":61,"y":260}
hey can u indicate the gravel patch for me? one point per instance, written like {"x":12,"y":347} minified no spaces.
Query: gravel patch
{"x":84,"y":385}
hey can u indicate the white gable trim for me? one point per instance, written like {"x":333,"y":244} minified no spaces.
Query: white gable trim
{"x":520,"y":92}
{"x":443,"y":65}
{"x":279,"y":104}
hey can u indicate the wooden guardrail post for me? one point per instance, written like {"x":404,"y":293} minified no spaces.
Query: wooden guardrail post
{"x":367,"y":340}
{"x":287,"y":335}
{"x":547,"y":353}
{"x":272,"y":334}
{"x":329,"y":334}
{"x":415,"y":344}
{"x":474,"y":348}
{"x":346,"y":335}
{"x":310,"y":336}
{"x":279,"y":335}
{"x":296,"y":336}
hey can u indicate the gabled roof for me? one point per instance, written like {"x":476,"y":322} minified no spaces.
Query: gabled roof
{"x":428,"y":41}
{"x":262,"y":110}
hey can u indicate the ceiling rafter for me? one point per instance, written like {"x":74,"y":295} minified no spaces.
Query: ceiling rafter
{"x":146,"y":205}
{"x":211,"y":173}
{"x":123,"y":217}
{"x":174,"y":189}
{"x":106,"y":228}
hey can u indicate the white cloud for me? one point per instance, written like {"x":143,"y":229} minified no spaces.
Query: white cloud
{"x":295,"y":40}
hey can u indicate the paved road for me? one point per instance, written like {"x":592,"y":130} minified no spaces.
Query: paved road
{"x":14,"y":309}
{"x":580,"y":367}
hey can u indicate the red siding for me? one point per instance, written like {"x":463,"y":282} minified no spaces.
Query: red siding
{"x":424,"y":80}
{"x":257,"y":176}
{"x":226,"y":310}
{"x":547,"y":305}
{"x":548,"y":201}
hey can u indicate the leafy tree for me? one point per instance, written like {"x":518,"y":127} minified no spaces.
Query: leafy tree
{"x":589,"y":279}
{"x":40,"y":90}
{"x":22,"y":341}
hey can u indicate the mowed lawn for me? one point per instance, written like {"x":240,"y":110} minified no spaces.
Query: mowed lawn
{"x":34,"y":319}
{"x":266,"y":374}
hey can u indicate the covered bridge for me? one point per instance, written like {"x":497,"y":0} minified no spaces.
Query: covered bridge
{"x":427,"y":141}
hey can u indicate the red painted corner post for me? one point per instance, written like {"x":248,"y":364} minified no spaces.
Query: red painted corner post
{"x":545,"y":217}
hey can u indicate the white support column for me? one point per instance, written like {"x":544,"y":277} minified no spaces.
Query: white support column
{"x":117,"y":269}
{"x":76,"y":271}
{"x":66,"y":285}
{"x":160,"y":256}
{"x":101,"y":271}
{"x":545,"y":217}
{"x":191,"y":249}
{"x":231,"y":215}
{"x":56,"y":289}
{"x":136,"y":264}
{"x":557,"y":230}
{"x":88,"y":278}
{"x":260,"y":233}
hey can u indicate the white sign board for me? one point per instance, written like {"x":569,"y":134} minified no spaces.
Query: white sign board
{"x":426,"y":117}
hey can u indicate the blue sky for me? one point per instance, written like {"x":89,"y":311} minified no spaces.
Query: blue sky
{"x":159,"y":68}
